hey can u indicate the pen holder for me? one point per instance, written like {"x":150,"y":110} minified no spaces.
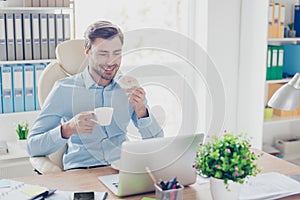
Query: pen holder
{"x":172,"y":194}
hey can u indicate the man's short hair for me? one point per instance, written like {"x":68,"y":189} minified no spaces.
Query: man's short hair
{"x":101,"y":29}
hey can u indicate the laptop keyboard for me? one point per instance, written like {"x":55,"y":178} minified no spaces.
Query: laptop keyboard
{"x":116,"y":184}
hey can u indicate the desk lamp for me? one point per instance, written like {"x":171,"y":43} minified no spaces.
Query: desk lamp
{"x":288,"y":96}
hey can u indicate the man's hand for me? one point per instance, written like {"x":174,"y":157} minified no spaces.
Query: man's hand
{"x":136,"y":96}
{"x":81,"y":123}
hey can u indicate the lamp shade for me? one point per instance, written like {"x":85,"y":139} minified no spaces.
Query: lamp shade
{"x":287,"y":97}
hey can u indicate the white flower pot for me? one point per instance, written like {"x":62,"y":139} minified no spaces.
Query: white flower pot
{"x":219,"y":192}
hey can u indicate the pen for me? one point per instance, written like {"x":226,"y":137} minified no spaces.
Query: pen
{"x":43,"y":195}
{"x":151,"y":175}
{"x":172,"y":184}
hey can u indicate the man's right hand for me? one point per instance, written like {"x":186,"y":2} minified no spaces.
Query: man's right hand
{"x":81,"y":123}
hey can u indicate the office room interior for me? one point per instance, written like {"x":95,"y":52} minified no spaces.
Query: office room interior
{"x":228,"y":94}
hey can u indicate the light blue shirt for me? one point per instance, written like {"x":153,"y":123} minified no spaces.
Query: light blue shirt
{"x":76,"y":94}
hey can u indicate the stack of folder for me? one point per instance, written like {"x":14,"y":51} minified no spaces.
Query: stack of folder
{"x":31,"y":35}
{"x":275,"y":56}
{"x":18,"y":87}
{"x":46,"y":3}
{"x":276,"y":20}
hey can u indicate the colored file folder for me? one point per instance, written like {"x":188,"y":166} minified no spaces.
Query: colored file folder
{"x":279,"y":68}
{"x":18,"y":36}
{"x":281,"y":21}
{"x":274,"y":62}
{"x":297,"y":20}
{"x":276,"y":19}
{"x":1,"y":104}
{"x":39,"y":67}
{"x":27,"y":36}
{"x":3,"y":54}
{"x":7,"y":85}
{"x":269,"y":61}
{"x":18,"y":89}
{"x":10,"y":36}
{"x":29,"y":87}
{"x":271,"y":31}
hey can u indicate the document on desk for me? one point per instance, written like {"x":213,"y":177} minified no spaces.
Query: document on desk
{"x":271,"y":185}
{"x":10,"y":189}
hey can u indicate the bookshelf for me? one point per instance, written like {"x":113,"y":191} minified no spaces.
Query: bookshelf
{"x":18,"y":157}
{"x":281,"y":127}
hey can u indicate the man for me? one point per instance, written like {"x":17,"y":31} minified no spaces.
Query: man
{"x":67,"y":117}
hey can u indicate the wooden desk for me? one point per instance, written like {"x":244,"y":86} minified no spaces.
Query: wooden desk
{"x":86,"y":179}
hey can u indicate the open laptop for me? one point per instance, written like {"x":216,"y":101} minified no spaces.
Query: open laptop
{"x":166,"y":158}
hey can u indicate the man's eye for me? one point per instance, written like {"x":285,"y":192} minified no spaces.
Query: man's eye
{"x":102,"y":54}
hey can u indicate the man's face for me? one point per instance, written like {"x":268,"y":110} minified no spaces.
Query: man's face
{"x":105,"y":59}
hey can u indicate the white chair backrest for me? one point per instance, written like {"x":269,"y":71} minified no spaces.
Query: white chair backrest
{"x":71,"y":59}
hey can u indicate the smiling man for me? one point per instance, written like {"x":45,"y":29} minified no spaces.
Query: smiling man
{"x":67,"y":114}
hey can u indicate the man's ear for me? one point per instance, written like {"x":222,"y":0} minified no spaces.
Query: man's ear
{"x":86,"y":51}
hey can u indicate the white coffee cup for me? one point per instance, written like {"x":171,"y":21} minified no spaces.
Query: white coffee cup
{"x":104,"y":115}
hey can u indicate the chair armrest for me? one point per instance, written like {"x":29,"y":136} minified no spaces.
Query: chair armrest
{"x":44,"y":165}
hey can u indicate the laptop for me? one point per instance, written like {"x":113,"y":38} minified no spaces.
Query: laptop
{"x":166,"y":158}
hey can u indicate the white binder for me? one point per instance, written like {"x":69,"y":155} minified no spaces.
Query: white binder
{"x":51,"y":28}
{"x":18,"y":36}
{"x":35,"y":36}
{"x":59,"y":29}
{"x":10,"y":36}
{"x":44,"y":37}
{"x":67,"y":27}
{"x":27,"y":36}
{"x":3,"y":55}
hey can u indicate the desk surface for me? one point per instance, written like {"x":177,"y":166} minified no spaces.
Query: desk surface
{"x":86,"y":179}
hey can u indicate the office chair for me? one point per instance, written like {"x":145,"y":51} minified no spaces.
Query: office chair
{"x":71,"y":60}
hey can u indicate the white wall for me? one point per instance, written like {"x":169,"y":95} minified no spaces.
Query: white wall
{"x":252,"y":71}
{"x":223,"y":47}
{"x":178,"y":16}
{"x":237,"y":45}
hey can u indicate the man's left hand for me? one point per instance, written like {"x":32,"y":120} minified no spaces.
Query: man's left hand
{"x":136,"y":96}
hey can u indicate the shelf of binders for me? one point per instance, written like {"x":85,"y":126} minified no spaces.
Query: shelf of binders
{"x":19,"y":85}
{"x":33,"y":33}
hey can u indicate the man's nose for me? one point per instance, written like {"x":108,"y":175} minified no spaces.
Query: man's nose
{"x":112,"y":59}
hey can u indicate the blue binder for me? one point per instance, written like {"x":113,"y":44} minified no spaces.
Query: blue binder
{"x":297,"y":20}
{"x":1,"y":104}
{"x":39,"y":67}
{"x":18,"y":89}
{"x":7,"y":92}
{"x":291,"y":60}
{"x":29,"y":87}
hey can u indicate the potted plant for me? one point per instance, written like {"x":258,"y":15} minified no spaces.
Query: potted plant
{"x":22,"y":130}
{"x":227,"y":160}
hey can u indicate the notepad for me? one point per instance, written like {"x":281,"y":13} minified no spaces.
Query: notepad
{"x":10,"y":189}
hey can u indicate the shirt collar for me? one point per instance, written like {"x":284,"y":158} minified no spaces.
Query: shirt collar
{"x":91,"y":84}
